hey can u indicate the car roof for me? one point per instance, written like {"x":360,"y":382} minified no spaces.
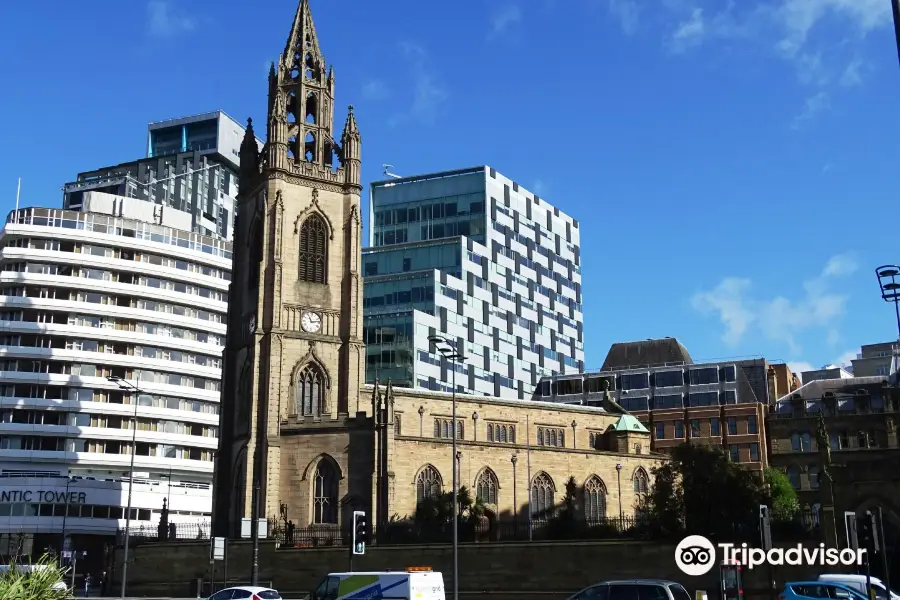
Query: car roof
{"x":844,"y":576}
{"x":818,"y":582}
{"x":638,"y":581}
{"x":248,"y":588}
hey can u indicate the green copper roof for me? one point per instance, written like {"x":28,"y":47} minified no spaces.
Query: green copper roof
{"x":630,"y":423}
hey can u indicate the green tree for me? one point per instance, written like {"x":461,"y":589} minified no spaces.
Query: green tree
{"x":565,"y":519}
{"x":42,"y":581}
{"x":782,"y":496}
{"x":434,"y":515}
{"x":700,"y":491}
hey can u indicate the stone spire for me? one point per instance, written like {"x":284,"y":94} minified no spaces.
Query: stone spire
{"x":249,"y":154}
{"x":351,"y":150}
{"x":301,"y":100}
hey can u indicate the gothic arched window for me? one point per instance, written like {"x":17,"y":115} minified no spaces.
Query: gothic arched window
{"x":313,"y":258}
{"x":542,"y":492}
{"x":594,"y":499}
{"x":641,"y":481}
{"x":396,"y":424}
{"x":325,"y":496}
{"x":428,"y":483}
{"x":486,"y":486}
{"x":310,"y":389}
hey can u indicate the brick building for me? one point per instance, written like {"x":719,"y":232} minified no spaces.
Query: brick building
{"x":860,"y":416}
{"x":298,"y":422}
{"x":678,"y":400}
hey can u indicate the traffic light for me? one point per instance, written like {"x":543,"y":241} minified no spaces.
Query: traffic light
{"x":359,"y":532}
{"x":868,"y":532}
{"x":865,"y":532}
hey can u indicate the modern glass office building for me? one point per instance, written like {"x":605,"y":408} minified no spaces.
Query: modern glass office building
{"x":192,"y":165}
{"x":472,"y":257}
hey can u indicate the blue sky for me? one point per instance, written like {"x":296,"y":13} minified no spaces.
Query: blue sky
{"x":733,"y":164}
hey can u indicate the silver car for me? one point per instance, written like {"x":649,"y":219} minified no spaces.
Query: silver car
{"x":634,"y":589}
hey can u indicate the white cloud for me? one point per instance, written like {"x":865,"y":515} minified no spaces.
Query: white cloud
{"x":812,"y":108}
{"x":502,"y":19}
{"x":798,"y":18}
{"x":852,"y":74}
{"x":689,"y":32}
{"x":627,"y":13}
{"x":839,"y":265}
{"x":428,"y":93}
{"x":846,"y":359}
{"x":778,"y":318}
{"x":375,"y":89}
{"x":788,"y":30}
{"x":798,"y":367}
{"x":165,"y":21}
{"x":728,"y":299}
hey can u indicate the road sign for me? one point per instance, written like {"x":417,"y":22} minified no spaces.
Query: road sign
{"x":246,"y":528}
{"x":218,"y":548}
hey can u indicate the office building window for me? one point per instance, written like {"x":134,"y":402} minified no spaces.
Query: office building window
{"x":695,"y":427}
{"x":732,"y":426}
{"x":660,"y":431}
{"x":734,"y":452}
{"x":679,"y":430}
{"x":800,"y":442}
{"x":752,"y":425}
{"x":714,"y":428}
{"x":754,"y":452}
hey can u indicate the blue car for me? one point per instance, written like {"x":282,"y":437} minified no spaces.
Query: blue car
{"x":816,"y":590}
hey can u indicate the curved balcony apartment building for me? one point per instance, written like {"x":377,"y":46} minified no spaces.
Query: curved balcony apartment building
{"x":85,"y":296}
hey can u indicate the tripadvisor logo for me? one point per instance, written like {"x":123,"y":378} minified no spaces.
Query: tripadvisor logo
{"x":695,"y":555}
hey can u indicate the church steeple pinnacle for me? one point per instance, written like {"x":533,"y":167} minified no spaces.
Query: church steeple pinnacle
{"x":301,"y":103}
{"x":351,"y":149}
{"x":302,"y":38}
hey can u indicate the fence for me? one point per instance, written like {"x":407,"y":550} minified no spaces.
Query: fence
{"x":483,"y":530}
{"x":480,"y":530}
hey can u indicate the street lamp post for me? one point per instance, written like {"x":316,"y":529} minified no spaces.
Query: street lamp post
{"x":619,"y":487}
{"x":135,"y":391}
{"x":895,"y":6}
{"x":449,"y":353}
{"x":514,"y":459}
{"x":887,"y":281}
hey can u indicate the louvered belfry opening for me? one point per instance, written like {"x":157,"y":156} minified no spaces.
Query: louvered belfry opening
{"x":313,"y":250}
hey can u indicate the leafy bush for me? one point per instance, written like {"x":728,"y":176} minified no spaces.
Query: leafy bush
{"x":33,"y":582}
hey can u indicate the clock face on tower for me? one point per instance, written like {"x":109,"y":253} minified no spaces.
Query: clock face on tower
{"x":311,"y":322}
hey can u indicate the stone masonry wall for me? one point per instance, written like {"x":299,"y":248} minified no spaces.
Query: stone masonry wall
{"x":551,"y":570}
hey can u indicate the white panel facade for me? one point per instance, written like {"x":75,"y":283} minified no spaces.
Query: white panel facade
{"x":511,"y":303}
{"x":85,"y":297}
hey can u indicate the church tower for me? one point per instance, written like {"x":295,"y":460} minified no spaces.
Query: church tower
{"x":294,"y":336}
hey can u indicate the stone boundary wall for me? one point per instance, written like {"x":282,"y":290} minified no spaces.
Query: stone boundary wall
{"x":505,"y":571}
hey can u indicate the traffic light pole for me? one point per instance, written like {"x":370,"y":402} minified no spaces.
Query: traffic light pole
{"x":357,"y":536}
{"x":884,"y":561}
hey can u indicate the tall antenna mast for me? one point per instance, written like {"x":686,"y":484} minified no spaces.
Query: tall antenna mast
{"x":18,"y":191}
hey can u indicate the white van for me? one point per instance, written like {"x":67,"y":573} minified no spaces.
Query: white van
{"x":412,"y":584}
{"x":858,"y":583}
